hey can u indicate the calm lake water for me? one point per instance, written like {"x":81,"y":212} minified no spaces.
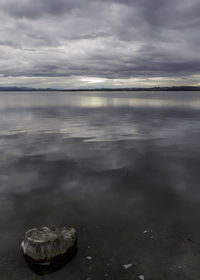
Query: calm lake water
{"x":122,"y":168}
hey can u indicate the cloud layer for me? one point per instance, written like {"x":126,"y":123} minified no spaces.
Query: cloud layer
{"x":117,"y":42}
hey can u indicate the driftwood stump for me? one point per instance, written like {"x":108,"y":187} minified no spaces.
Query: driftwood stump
{"x":43,"y":246}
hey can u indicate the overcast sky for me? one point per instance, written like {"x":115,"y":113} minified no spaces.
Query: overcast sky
{"x":99,"y":43}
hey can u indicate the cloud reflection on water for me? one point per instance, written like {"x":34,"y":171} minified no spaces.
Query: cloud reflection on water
{"x":112,"y":171}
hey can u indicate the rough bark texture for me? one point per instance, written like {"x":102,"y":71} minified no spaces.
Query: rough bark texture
{"x":42,"y":245}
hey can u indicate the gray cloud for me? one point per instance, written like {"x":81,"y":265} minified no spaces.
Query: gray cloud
{"x":108,"y":39}
{"x":36,"y":9}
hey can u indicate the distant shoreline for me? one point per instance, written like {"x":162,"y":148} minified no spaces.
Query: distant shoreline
{"x":177,"y":88}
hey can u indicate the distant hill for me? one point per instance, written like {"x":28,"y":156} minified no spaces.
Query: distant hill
{"x":178,"y":88}
{"x":25,"y":89}
{"x":175,"y":88}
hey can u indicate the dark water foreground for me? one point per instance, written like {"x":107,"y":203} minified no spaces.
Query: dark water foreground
{"x":122,"y":168}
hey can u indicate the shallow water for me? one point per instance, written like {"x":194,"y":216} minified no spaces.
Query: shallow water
{"x":120,"y":167}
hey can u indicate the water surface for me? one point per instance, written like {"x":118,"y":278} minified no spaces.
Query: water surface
{"x":121,"y":167}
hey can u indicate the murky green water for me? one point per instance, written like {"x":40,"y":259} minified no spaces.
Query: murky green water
{"x":122,"y":168}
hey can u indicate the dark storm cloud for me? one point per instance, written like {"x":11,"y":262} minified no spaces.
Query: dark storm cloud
{"x":38,"y":8}
{"x":111,"y":39}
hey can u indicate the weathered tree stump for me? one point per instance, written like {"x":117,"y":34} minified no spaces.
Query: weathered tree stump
{"x":44,"y":246}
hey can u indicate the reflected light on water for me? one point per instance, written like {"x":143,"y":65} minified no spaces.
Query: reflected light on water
{"x":93,"y":102}
{"x":99,"y":101}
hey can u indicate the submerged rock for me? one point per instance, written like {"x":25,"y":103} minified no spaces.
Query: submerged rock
{"x":43,"y":246}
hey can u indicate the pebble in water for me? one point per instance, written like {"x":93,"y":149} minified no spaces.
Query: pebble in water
{"x":126,"y":266}
{"x":141,"y":277}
